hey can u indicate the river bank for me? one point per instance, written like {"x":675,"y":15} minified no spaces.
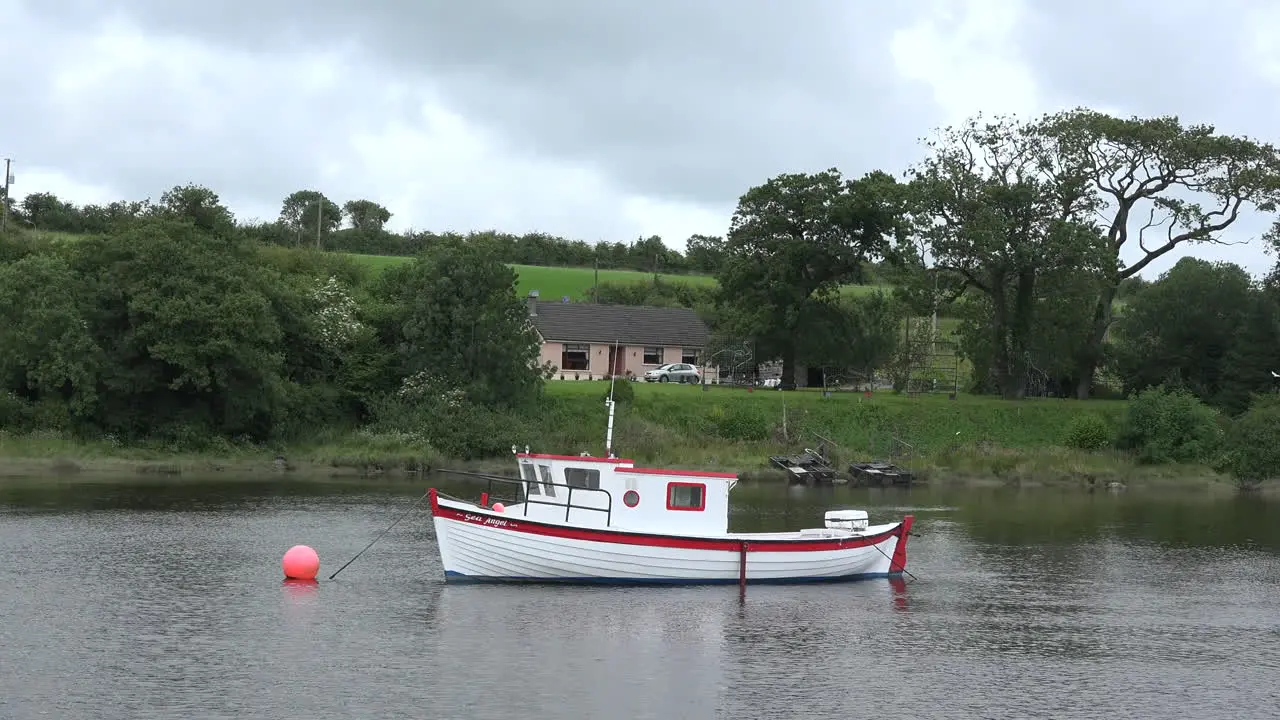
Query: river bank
{"x":968,"y":440}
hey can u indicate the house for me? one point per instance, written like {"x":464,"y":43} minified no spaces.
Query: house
{"x":586,"y":341}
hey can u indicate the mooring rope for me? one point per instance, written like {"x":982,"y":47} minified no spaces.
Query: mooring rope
{"x":904,"y":570}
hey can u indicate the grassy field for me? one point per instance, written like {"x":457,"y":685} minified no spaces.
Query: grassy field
{"x":552,"y":283}
{"x":736,"y":429}
{"x":970,"y":439}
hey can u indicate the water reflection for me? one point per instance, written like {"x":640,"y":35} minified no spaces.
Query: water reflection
{"x":297,"y":588}
{"x":648,"y":654}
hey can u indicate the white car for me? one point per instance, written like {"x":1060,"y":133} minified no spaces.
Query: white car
{"x":674,"y":372}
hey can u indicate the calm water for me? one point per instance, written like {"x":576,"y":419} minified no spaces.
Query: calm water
{"x":142,"y":600}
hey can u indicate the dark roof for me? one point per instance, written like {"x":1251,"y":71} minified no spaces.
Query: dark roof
{"x":624,"y":324}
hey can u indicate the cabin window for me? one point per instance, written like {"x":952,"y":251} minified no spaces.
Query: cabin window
{"x":575,"y":357}
{"x":582,"y":478}
{"x":531,"y":480}
{"x":686,"y":496}
{"x":653,"y":356}
{"x":689,"y":356}
{"x":549,"y":487}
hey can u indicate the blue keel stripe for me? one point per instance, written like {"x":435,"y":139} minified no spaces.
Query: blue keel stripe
{"x":457,"y":577}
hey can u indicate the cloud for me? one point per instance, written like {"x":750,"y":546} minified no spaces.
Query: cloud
{"x":966,"y":54}
{"x":575,"y":117}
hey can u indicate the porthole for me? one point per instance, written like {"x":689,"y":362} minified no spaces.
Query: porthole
{"x":631,"y":498}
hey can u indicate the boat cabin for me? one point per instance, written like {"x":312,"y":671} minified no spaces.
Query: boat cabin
{"x":612,"y":492}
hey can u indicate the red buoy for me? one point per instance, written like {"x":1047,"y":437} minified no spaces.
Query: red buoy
{"x":300,"y":563}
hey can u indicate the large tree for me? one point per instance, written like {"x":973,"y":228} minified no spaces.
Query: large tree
{"x":189,"y":342}
{"x":1158,"y":184}
{"x":309,"y":214}
{"x":792,"y":242}
{"x":984,"y":216}
{"x":46,"y":349}
{"x":704,"y":253}
{"x":366,"y":215}
{"x":199,"y":205}
{"x":1181,"y":328}
{"x":853,"y":336}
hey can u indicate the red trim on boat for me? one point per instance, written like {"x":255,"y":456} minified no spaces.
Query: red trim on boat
{"x":899,"y":561}
{"x":575,"y":458}
{"x":677,"y":473}
{"x":533,"y":527}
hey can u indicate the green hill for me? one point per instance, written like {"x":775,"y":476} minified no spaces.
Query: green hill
{"x":552,"y":283}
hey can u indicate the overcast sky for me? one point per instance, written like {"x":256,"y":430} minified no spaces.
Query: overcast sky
{"x":591,"y":119}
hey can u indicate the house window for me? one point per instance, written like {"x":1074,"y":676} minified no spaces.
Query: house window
{"x":547,"y":487}
{"x":686,"y":496}
{"x":582,"y":478}
{"x":653,"y":356}
{"x":531,"y":480}
{"x":689,"y":356}
{"x":575,"y":357}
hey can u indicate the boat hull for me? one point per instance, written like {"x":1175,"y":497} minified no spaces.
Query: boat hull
{"x":478,"y":545}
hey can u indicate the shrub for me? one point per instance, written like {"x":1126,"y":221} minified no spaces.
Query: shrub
{"x":1252,"y":444}
{"x":1164,"y":426}
{"x":469,"y":432}
{"x":1089,"y":432}
{"x":739,"y":421}
{"x":623,"y":392}
{"x":15,"y":413}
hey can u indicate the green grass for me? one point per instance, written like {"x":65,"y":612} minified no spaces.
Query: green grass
{"x":377,"y":263}
{"x":552,"y":283}
{"x":970,"y":439}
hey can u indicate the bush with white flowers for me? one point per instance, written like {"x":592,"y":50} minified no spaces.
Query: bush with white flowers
{"x":336,"y":317}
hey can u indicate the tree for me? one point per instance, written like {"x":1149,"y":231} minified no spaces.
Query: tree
{"x":46,"y":212}
{"x":651,"y":254}
{"x":1182,"y":327}
{"x":1160,"y":185}
{"x":461,"y":325}
{"x":989,"y":219}
{"x":852,"y":335}
{"x":1255,"y":349}
{"x":197,"y":204}
{"x":366,"y":215}
{"x":189,"y":340}
{"x":46,"y":350}
{"x":792,"y":242}
{"x":309,"y":213}
{"x":704,"y":253}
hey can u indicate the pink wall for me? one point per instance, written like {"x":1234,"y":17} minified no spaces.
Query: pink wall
{"x":552,"y":352}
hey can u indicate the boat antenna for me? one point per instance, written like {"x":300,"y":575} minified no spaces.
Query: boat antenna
{"x":613,"y":378}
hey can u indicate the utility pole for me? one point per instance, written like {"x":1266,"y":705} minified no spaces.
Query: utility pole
{"x":4,"y":214}
{"x":595,"y":290}
{"x":319,"y":219}
{"x":935,"y":306}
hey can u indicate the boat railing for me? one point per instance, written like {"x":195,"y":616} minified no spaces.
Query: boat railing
{"x":568,"y":505}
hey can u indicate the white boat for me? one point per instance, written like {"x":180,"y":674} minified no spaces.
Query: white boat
{"x":590,"y":519}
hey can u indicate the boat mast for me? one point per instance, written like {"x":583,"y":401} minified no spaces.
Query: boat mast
{"x":613,"y":377}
